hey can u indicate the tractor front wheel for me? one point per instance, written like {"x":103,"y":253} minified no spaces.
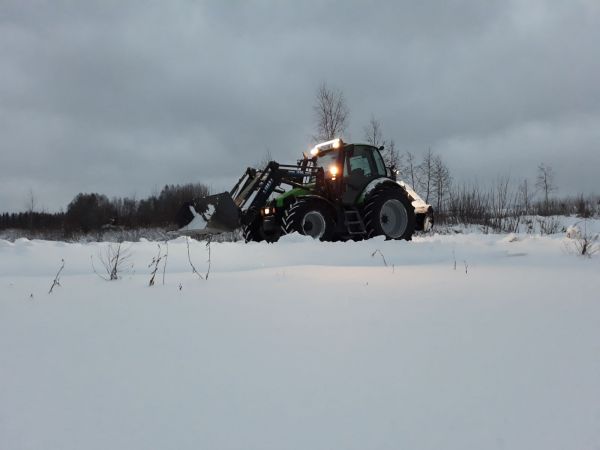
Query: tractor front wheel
{"x":256,"y":233}
{"x":388,"y":212}
{"x":309,"y":217}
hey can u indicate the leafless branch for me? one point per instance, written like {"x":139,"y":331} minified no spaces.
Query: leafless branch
{"x":56,"y":281}
{"x":187,"y":242}
{"x":95,"y":271}
{"x":382,"y":256}
{"x":385,"y":263}
{"x":113,"y":260}
{"x":155,"y":263}
{"x":208,"y":241}
{"x":165,"y":264}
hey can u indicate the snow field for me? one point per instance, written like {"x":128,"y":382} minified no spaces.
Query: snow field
{"x":301,"y":344}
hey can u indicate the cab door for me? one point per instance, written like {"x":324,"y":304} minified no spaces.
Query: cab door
{"x":359,"y":170}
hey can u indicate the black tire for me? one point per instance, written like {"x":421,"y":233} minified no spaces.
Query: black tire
{"x":255,"y":233}
{"x":310,"y":217}
{"x":388,"y":212}
{"x":425,"y":222}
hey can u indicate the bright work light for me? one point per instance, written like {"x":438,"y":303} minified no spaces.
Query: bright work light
{"x":327,"y":145}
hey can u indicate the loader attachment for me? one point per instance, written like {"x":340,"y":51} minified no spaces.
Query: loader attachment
{"x":227,"y":211}
{"x":213,"y":214}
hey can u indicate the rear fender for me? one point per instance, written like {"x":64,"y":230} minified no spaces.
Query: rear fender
{"x":380,"y":182}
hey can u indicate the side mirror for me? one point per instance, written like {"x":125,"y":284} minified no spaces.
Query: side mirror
{"x":381,"y":147}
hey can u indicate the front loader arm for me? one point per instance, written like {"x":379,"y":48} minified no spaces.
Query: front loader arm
{"x":229,"y":210}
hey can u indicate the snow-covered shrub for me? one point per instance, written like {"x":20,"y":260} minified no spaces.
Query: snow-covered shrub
{"x":114,"y":259}
{"x":549,"y":225}
{"x":573,"y":232}
{"x":586,"y":245}
{"x":582,"y":242}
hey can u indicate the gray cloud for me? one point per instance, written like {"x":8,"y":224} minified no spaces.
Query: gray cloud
{"x":124,"y":97}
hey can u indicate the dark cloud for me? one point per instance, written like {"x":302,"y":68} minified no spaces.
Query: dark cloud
{"x":124,"y":97}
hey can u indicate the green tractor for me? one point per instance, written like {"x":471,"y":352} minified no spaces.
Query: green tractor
{"x":338,"y":191}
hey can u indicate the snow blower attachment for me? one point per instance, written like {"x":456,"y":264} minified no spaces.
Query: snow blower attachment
{"x":338,"y":191}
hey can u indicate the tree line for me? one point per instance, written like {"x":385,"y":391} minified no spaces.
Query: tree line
{"x":89,"y":212}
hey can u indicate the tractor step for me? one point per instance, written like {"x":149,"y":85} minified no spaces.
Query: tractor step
{"x":354,"y":223}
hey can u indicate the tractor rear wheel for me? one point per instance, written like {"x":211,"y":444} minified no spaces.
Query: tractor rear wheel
{"x":388,"y":212}
{"x":309,"y":217}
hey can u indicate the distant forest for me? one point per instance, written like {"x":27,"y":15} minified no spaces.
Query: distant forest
{"x":93,"y":212}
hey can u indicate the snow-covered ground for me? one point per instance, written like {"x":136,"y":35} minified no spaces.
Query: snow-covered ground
{"x":464,"y":341}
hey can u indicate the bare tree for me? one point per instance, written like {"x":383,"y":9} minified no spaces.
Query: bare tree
{"x":331,"y":113}
{"x":425,"y":171}
{"x":30,"y":206}
{"x":524,"y":197}
{"x":392,"y":157}
{"x":31,"y":202}
{"x":545,"y":182}
{"x":410,"y":169}
{"x":373,"y":132}
{"x":469,"y":204}
{"x":500,"y":201}
{"x":441,"y":181}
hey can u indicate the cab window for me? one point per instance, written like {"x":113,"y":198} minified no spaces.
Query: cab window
{"x":358,"y":163}
{"x":381,"y":170}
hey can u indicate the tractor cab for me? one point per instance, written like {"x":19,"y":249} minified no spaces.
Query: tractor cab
{"x":349,"y":167}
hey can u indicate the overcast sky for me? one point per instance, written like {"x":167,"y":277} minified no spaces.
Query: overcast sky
{"x":123,"y":97}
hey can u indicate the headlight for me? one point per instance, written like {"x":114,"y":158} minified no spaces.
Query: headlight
{"x":333,"y":170}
